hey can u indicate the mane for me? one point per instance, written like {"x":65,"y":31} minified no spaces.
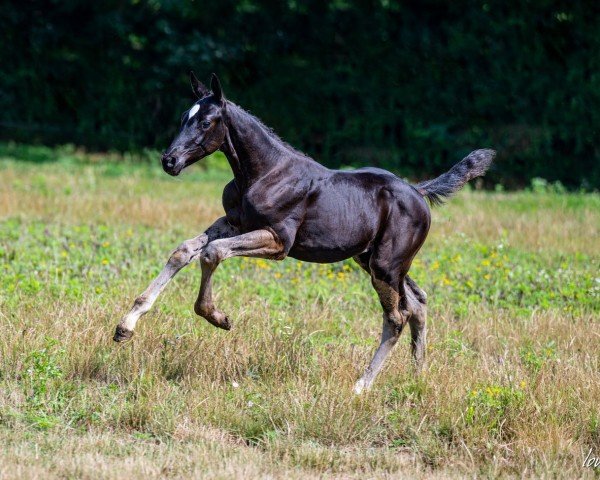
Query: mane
{"x":269,"y":131}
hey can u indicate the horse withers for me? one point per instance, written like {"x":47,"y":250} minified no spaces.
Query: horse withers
{"x":282,"y":203}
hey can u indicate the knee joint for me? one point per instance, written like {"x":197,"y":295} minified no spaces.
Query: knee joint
{"x":140,"y":305}
{"x":211,"y":255}
{"x":139,"y":301}
{"x":396,"y":319}
{"x":182,"y":255}
{"x":418,"y":315}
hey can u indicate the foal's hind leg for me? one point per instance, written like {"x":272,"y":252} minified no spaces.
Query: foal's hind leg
{"x":393,"y":323}
{"x":388,"y":265}
{"x":182,"y":256}
{"x":259,"y":243}
{"x":417,"y":304}
{"x":389,"y":338}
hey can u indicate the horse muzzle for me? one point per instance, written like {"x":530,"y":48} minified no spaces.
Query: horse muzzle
{"x":172,"y":165}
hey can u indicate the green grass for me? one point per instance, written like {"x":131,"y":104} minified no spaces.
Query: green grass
{"x":512,"y":381}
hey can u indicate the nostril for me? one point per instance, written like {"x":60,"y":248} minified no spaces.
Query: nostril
{"x":169,"y":160}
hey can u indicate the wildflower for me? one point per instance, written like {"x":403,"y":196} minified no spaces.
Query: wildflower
{"x":261,"y":263}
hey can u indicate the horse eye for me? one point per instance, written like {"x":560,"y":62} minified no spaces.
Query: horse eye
{"x":205,"y":124}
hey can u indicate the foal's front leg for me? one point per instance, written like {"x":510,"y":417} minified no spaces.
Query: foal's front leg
{"x":259,"y":243}
{"x":182,"y":256}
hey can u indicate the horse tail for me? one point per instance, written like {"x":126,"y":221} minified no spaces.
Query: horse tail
{"x":473,"y":165}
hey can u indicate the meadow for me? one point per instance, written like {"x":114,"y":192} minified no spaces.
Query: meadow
{"x":511,"y":387}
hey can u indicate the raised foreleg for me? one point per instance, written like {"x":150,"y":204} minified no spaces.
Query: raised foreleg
{"x":259,"y":243}
{"x":182,"y":256}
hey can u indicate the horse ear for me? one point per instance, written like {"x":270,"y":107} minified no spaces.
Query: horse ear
{"x":198,"y":87}
{"x":215,"y":86}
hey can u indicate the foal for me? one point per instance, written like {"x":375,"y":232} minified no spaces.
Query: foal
{"x":282,"y":203}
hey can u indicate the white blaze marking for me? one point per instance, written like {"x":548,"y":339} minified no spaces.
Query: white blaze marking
{"x":193,"y":111}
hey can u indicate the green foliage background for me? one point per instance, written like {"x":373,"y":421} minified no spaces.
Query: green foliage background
{"x":410,"y":86}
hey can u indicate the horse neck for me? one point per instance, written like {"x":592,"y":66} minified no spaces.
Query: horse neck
{"x":253,"y":151}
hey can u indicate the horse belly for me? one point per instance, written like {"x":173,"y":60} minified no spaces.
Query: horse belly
{"x":329,"y":238}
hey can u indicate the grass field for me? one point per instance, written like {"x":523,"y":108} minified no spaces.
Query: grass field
{"x":512,"y":386}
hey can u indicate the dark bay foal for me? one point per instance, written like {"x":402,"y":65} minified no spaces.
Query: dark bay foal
{"x":282,"y":203}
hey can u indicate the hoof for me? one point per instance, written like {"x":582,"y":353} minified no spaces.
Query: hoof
{"x":213,"y":316}
{"x":360,"y":387}
{"x":122,"y":335}
{"x":220,"y":322}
